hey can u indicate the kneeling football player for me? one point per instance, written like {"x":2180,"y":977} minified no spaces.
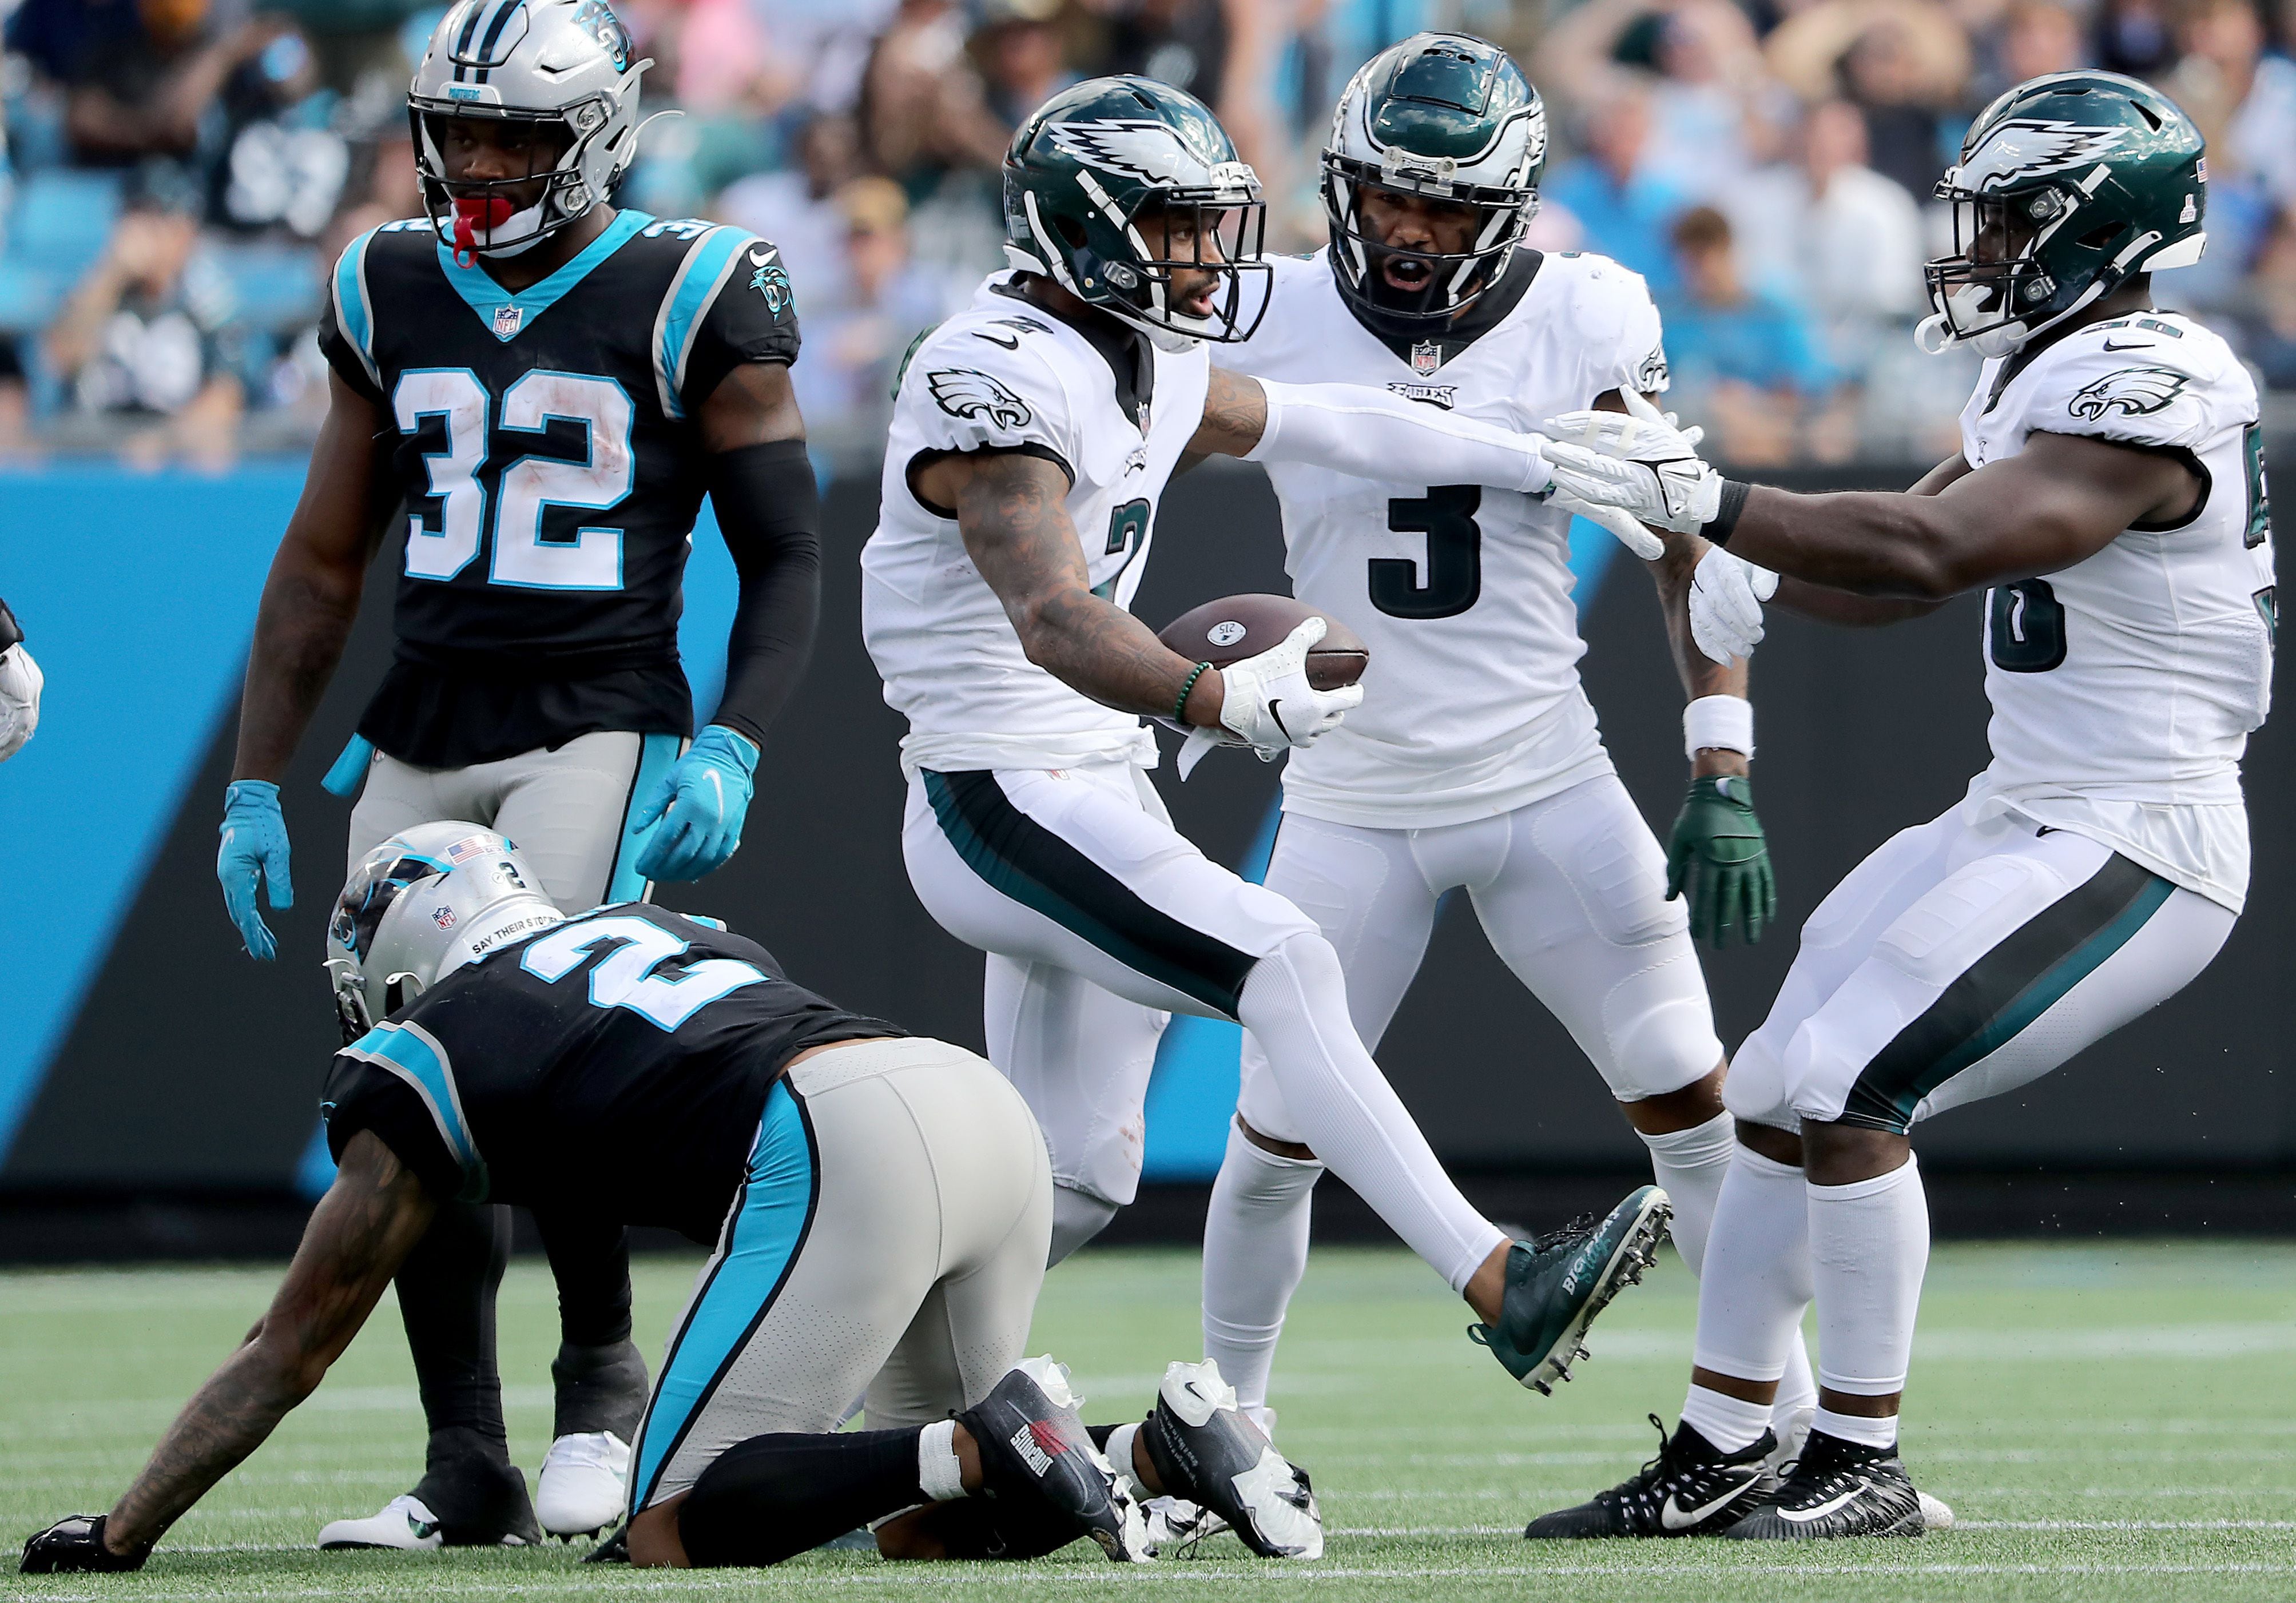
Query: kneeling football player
{"x":880,"y":1206}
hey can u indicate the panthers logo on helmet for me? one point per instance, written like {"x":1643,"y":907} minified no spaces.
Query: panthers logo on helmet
{"x":597,"y":19}
{"x":2031,"y":147}
{"x":2132,"y":392}
{"x":962,"y":392}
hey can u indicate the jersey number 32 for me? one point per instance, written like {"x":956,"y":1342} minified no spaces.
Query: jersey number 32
{"x":527,"y":487}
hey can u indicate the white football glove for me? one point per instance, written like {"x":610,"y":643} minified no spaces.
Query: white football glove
{"x":1637,"y":462}
{"x":19,"y":700}
{"x":1727,"y":593}
{"x":1269,"y":706}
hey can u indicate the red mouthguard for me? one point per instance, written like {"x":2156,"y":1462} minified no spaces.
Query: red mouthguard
{"x":471,"y":212}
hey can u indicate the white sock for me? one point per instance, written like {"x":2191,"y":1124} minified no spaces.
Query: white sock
{"x":1690,"y":1165}
{"x":1869,"y":1244}
{"x":940,"y":1471}
{"x":1296,"y":1002}
{"x":1797,"y":1388}
{"x":1757,"y":1281}
{"x":1861,"y":1428}
{"x":1729,"y":1423}
{"x":1119,"y":1450}
{"x":1255,"y":1251}
{"x":1077,"y":1218}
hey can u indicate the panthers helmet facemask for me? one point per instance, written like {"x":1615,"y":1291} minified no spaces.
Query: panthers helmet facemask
{"x":420,"y":906}
{"x":1448,"y":117}
{"x":562,"y":68}
{"x":2067,"y":187}
{"x":1103,"y":178}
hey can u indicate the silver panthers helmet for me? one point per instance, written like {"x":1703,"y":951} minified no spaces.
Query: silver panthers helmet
{"x":563,"y":66}
{"x":420,"y":905}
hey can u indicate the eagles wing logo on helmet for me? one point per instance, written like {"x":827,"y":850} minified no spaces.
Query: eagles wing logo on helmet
{"x":2132,"y":392}
{"x":2031,"y":147}
{"x":961,"y":392}
{"x":1137,"y":147}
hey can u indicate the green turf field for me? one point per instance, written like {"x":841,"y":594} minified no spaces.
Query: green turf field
{"x":2112,"y":1421}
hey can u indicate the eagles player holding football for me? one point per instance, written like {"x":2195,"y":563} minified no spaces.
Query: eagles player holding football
{"x":879,"y":1207}
{"x":1033,"y":436}
{"x":2110,"y":495}
{"x":546,"y":386}
{"x":1475,"y":762}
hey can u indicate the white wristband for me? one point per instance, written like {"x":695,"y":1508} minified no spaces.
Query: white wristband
{"x":939,"y":1472}
{"x":1718,"y":722}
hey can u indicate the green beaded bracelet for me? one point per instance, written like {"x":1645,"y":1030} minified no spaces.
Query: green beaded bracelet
{"x":1180,"y":707}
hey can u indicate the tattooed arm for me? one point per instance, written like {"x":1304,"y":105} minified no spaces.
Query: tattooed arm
{"x":312,"y":594}
{"x":1011,"y":509}
{"x":358,"y":1235}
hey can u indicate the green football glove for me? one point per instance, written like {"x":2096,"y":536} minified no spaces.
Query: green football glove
{"x":1719,"y":859}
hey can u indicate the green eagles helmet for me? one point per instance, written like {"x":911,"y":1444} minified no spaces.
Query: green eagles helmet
{"x":2067,"y":185}
{"x":1115,"y":184}
{"x":1451,"y":117}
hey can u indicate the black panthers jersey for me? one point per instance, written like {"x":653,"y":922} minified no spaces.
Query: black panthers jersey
{"x":617,"y":1063}
{"x":549,"y":470}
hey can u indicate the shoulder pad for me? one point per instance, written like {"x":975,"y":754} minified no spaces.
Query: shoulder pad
{"x":2147,"y":379}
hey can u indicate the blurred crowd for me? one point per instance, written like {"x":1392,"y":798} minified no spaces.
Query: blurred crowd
{"x":181,"y":171}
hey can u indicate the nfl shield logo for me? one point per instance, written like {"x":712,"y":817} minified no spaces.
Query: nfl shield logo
{"x":1426,"y":356}
{"x":506,"y":320}
{"x":445,"y":917}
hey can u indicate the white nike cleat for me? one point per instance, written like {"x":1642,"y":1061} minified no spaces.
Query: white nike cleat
{"x":584,"y":1484}
{"x":1176,"y":1525}
{"x":405,"y":1523}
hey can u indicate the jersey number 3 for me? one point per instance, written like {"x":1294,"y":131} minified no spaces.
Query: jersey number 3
{"x":627,"y":977}
{"x":528,"y":486}
{"x":1445,"y":515}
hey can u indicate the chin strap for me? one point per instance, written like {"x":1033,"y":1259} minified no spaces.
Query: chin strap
{"x":472,"y":212}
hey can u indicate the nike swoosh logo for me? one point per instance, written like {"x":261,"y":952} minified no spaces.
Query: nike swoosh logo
{"x":718,"y":789}
{"x":1006,"y":340}
{"x":2139,"y":345}
{"x":1802,"y":1516}
{"x":1674,"y":1516}
{"x":1275,"y":711}
{"x":759,"y":259}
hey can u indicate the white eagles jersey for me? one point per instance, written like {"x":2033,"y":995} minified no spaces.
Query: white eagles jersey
{"x":2124,"y":686}
{"x":1471,"y":704}
{"x":1003,"y":375}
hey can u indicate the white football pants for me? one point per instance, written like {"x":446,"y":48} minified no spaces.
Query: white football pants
{"x":1571,"y":893}
{"x":1965,"y":957}
{"x":1078,"y":882}
{"x":567,"y":811}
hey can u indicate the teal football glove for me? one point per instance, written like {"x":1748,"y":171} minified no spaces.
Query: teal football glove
{"x":1719,"y":859}
{"x":699,"y":803}
{"x":254,"y":846}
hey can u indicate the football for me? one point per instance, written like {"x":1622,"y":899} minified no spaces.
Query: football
{"x":1235,"y":627}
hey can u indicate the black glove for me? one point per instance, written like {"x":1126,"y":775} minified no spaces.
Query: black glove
{"x":75,"y":1545}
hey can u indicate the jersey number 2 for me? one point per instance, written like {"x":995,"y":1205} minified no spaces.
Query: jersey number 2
{"x":522,"y":558}
{"x":1445,"y":515}
{"x":625,"y":977}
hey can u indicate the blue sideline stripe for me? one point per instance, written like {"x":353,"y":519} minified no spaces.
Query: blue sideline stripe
{"x":761,"y":1243}
{"x":655,"y":756}
{"x":1192,"y":1093}
{"x":122,"y":732}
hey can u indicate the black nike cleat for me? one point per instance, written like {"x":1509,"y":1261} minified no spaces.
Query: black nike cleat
{"x":1558,"y":1284}
{"x":1206,"y":1451}
{"x":1034,"y":1449}
{"x":1837,"y":1488}
{"x":1693,"y":1488}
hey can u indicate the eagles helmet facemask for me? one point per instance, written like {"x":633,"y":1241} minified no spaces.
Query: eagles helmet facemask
{"x":420,"y":904}
{"x":564,"y":68}
{"x":2067,"y":186}
{"x":1450,"y":118}
{"x":1102,"y":180}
